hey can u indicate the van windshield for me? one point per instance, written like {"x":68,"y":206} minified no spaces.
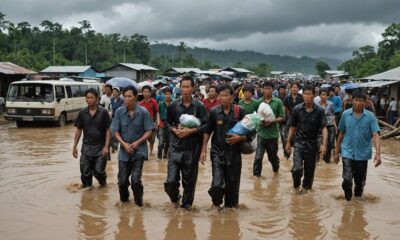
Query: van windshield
{"x":31,"y":92}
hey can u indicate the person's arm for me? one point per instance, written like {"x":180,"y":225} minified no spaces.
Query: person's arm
{"x":78,"y":132}
{"x":377,"y":144}
{"x":142,"y":139}
{"x":203,"y":154}
{"x":107,"y":144}
{"x":324,"y":141}
{"x":288,"y":145}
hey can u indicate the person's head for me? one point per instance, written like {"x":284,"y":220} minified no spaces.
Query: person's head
{"x":268,"y":88}
{"x":337,"y":89}
{"x":225,"y":94}
{"x":257,"y":87}
{"x":317,"y":90}
{"x":248,"y":91}
{"x":323,"y":94}
{"x":282,"y":90}
{"x":146,"y":91}
{"x":108,"y":89}
{"x":187,"y":85}
{"x":358,"y":100}
{"x":91,"y":96}
{"x":167,"y":93}
{"x":130,"y":94}
{"x":212,"y":92}
{"x":289,"y":86}
{"x":197,"y":92}
{"x":392,"y":98}
{"x":295,"y":87}
{"x":331,"y":92}
{"x":115,"y":92}
{"x":308,"y":94}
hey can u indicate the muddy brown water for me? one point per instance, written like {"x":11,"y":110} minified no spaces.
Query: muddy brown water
{"x":40,"y":199}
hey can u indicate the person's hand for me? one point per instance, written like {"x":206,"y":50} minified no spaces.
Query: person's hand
{"x":185,"y":132}
{"x":75,"y":152}
{"x":127,"y":147}
{"x":267,"y":123}
{"x":134,"y":146}
{"x":377,"y":160}
{"x":105,"y":152}
{"x":203,"y":156}
{"x":288,"y":148}
{"x":336,"y":157}
{"x":233,"y":138}
{"x":322,"y":150}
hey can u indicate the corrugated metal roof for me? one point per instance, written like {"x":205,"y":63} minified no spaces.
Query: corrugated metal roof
{"x":139,"y":67}
{"x":241,"y":70}
{"x":379,"y":83}
{"x":186,"y":70}
{"x":335,"y":72}
{"x":65,"y":69}
{"x":11,"y":68}
{"x":392,"y":74}
{"x":277,"y":72}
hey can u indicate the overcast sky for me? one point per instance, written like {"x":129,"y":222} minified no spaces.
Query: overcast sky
{"x":293,"y":27}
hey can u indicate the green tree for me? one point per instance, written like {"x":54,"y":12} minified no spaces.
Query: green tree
{"x":321,"y":67}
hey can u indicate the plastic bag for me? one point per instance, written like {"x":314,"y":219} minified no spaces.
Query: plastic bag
{"x":189,"y":121}
{"x":248,"y":147}
{"x":265,"y":112}
{"x":247,"y":125}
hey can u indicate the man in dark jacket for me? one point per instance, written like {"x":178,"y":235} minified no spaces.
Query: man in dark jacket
{"x":185,"y":145}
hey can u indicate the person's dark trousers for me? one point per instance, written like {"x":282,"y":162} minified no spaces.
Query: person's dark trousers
{"x":163,"y":143}
{"x":331,"y":144}
{"x":271,"y":146}
{"x":282,"y":129}
{"x":134,"y":170}
{"x":337,"y":118}
{"x":392,"y":117}
{"x":90,"y":166}
{"x":357,"y":170}
{"x":304,"y":161}
{"x":189,"y":170}
{"x":225,"y":183}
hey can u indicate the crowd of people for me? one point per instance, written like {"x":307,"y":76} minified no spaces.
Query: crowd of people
{"x":312,"y":121}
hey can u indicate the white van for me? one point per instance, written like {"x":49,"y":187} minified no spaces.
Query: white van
{"x":53,"y":100}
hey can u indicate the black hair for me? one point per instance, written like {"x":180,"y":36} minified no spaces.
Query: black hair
{"x":92,"y":91}
{"x":248,"y":88}
{"x":298,"y":85}
{"x":309,"y":87}
{"x":331,"y":89}
{"x":130,"y":88}
{"x":267,"y":83}
{"x":321,"y":90}
{"x":212,"y":86}
{"x":188,"y":78}
{"x":146,"y":87}
{"x":224,"y":87}
{"x":281,"y":86}
{"x":108,"y":86}
{"x":358,"y":93}
{"x":167,"y":89}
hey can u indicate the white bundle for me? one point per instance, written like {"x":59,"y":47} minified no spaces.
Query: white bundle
{"x":265,"y":112}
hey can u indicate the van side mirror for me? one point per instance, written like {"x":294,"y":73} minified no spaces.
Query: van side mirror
{"x":58,"y":100}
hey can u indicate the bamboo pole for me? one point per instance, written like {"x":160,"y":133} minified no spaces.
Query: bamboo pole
{"x":391,"y":133}
{"x":386,"y":124}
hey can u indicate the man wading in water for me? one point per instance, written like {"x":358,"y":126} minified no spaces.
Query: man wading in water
{"x":185,"y":145}
{"x":132,"y":125}
{"x":357,"y":127}
{"x":225,"y":151}
{"x":94,"y":121}
{"x":306,"y":122}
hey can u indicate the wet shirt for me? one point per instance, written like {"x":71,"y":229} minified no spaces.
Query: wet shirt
{"x":115,"y":104}
{"x":356,"y":144}
{"x":210,"y":105}
{"x":249,"y":107}
{"x":272,"y":131}
{"x":219,"y":124}
{"x":193,"y":142}
{"x":308,"y":124}
{"x":131,"y":129}
{"x":337,"y":103}
{"x":329,"y":112}
{"x":94,"y":130}
{"x":151,"y":106}
{"x":289,"y":103}
{"x":162,"y":109}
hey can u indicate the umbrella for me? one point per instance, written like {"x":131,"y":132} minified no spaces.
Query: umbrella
{"x":325,"y":86}
{"x":351,"y":86}
{"x":144,"y":83}
{"x":122,"y":82}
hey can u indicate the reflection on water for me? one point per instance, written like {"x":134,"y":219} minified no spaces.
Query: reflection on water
{"x":41,"y":198}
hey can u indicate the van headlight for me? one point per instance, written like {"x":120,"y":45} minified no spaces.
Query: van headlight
{"x":11,"y":110}
{"x":46,"y":111}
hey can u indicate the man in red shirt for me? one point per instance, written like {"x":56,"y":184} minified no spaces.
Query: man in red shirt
{"x":212,"y":99}
{"x":152,"y":107}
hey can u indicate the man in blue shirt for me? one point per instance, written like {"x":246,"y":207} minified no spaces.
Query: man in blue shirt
{"x":132,"y":125}
{"x":337,"y":104}
{"x":357,"y":127}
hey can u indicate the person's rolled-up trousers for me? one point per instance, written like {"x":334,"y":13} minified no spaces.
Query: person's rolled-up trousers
{"x":304,"y":161}
{"x":90,"y":166}
{"x":131,"y":169}
{"x":354,"y":169}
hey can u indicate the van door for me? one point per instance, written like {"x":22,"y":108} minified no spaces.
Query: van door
{"x":69,"y":104}
{"x":60,"y":100}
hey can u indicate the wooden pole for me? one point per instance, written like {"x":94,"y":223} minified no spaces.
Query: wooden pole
{"x":391,"y":133}
{"x":386,"y":124}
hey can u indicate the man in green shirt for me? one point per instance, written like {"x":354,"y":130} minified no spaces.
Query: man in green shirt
{"x":268,"y":134}
{"x":249,"y":104}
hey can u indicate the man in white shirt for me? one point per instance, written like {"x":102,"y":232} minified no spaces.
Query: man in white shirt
{"x":106,"y":98}
{"x":392,"y":111}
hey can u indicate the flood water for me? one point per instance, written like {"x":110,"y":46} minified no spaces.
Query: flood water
{"x":40,"y":199}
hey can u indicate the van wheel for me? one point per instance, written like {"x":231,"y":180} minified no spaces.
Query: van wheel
{"x":62,"y":120}
{"x":20,"y":123}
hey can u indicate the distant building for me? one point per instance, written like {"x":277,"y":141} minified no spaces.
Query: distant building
{"x":137,"y":72}
{"x":10,"y":72}
{"x":277,"y":74}
{"x":238,"y":72}
{"x":336,"y":75}
{"x":176,"y":72}
{"x":68,"y":71}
